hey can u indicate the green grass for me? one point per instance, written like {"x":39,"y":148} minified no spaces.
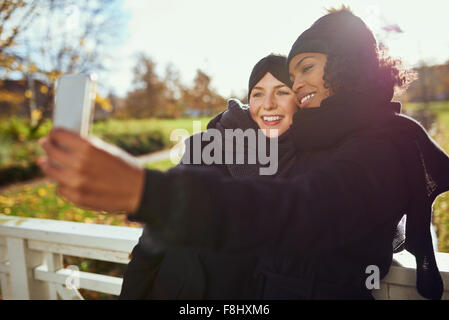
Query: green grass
{"x":163,"y":165}
{"x":138,"y":126}
{"x":435,"y":106}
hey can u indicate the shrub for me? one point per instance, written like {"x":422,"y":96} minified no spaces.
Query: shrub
{"x":138,"y":144}
{"x":20,"y":129}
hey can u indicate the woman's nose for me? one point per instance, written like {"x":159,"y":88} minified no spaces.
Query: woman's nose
{"x":297,"y":84}
{"x":269,"y":102}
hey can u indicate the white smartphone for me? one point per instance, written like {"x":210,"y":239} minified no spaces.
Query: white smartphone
{"x":74,"y":99}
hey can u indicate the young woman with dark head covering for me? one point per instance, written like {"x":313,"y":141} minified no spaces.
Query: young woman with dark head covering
{"x":272,"y":105}
{"x":344,"y":85}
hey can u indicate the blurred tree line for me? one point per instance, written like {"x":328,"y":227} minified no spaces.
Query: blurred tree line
{"x":432,"y":83}
{"x":166,"y":96}
{"x":41,"y":40}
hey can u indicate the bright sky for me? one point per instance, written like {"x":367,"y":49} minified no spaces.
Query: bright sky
{"x":226,"y":38}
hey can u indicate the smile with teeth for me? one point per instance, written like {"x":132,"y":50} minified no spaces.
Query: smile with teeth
{"x":271,"y":118}
{"x":307,"y":98}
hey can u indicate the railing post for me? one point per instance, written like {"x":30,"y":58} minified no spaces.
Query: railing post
{"x":54,"y":263}
{"x":22,"y":261}
{"x":5,"y":282}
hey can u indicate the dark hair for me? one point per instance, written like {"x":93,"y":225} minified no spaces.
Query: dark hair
{"x":274,"y":64}
{"x":354,"y":62}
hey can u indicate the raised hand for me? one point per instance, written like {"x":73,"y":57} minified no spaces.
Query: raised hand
{"x":92,"y":173}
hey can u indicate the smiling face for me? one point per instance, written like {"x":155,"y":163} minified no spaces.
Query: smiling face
{"x":272,"y":105}
{"x":306,"y":73}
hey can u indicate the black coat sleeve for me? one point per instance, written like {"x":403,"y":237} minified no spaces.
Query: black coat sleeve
{"x":360,"y":189}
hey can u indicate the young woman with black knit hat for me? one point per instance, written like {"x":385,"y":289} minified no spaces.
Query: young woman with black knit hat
{"x":344,"y":87}
{"x":272,"y":105}
{"x":359,"y":166}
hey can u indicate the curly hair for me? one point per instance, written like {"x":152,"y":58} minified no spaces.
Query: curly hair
{"x":371,"y":71}
{"x":365,"y":68}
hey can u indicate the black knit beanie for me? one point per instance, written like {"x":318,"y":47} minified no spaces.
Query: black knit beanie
{"x":337,"y":32}
{"x":274,"y":64}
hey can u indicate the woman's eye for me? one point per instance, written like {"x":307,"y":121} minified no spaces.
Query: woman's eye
{"x":282,"y":92}
{"x":307,"y":68}
{"x":257,"y":94}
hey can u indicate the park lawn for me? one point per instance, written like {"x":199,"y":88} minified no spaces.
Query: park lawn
{"x":439,"y":108}
{"x":162,"y":165}
{"x":139,"y":125}
{"x":435,"y":106}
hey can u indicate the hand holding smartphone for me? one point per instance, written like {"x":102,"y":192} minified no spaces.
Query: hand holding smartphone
{"x":69,"y":154}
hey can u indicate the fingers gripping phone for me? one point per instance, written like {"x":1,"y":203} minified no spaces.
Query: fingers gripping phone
{"x":74,"y":98}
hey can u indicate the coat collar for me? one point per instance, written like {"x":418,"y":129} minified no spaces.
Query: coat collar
{"x":338,"y":117}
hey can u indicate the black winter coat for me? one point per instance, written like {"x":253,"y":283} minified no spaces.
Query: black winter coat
{"x":311,"y":235}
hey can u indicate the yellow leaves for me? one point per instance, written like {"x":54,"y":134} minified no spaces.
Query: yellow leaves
{"x":5,"y":201}
{"x":103,"y":103}
{"x":78,"y":215}
{"x":36,"y":115}
{"x":42,"y":192}
{"x":7,"y":61}
{"x":28,"y":93}
{"x":32,"y":68}
{"x":53,"y":75}
{"x":11,"y":97}
{"x":88,"y":220}
{"x":60,"y":202}
{"x":43,"y":89}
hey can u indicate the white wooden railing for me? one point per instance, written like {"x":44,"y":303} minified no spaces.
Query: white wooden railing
{"x":31,"y":252}
{"x":31,"y":267}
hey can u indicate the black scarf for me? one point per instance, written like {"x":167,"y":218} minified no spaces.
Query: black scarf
{"x":426,"y":165}
{"x":238,"y":116}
